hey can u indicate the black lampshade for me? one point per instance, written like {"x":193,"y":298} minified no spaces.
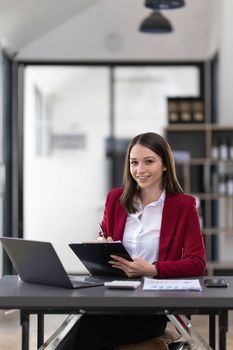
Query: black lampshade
{"x":156,"y":23}
{"x":164,"y":4}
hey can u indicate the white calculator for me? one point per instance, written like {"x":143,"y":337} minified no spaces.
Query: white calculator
{"x":123,"y":284}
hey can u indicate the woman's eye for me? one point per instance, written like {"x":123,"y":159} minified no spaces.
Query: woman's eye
{"x":133,"y":162}
{"x":149,"y":161}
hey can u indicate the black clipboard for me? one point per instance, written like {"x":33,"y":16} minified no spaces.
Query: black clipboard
{"x":95,"y":257}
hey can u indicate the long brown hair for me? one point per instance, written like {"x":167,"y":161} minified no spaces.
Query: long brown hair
{"x":158,"y":145}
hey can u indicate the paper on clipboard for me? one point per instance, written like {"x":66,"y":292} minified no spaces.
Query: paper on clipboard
{"x":172,"y":284}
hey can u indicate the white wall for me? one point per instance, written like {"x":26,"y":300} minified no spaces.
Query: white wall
{"x":226,"y":110}
{"x":226,"y":66}
{"x":214,"y":28}
{"x":1,"y":156}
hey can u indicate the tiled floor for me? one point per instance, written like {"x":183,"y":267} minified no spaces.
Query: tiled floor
{"x":10,"y":331}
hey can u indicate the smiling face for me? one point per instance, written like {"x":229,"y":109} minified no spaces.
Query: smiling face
{"x":146,"y":167}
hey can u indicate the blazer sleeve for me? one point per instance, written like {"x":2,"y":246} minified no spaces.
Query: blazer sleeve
{"x":186,"y":252}
{"x":114,"y":217}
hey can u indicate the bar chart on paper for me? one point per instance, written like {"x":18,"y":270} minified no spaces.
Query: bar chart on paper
{"x":172,"y":284}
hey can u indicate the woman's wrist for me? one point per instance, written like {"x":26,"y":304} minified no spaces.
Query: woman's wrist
{"x":152,"y":270}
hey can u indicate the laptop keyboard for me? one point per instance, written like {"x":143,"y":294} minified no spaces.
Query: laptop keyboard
{"x":88,"y":281}
{"x":82,"y":281}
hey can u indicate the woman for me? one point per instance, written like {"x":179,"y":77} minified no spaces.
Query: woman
{"x":159,"y":226}
{"x":155,"y":220}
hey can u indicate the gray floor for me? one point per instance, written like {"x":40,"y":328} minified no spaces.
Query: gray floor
{"x":10,"y":331}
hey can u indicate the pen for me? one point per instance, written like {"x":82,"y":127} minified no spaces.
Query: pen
{"x":102,"y":231}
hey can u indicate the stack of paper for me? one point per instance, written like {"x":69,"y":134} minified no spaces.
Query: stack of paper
{"x":171,"y":284}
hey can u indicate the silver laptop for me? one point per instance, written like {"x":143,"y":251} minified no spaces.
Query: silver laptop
{"x":38,"y":262}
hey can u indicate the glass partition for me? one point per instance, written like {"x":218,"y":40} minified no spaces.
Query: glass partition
{"x":65,"y":168}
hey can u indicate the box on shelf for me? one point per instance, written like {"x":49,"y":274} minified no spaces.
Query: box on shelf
{"x":185,"y":110}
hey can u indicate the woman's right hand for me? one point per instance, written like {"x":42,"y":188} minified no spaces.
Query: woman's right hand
{"x":101,"y":239}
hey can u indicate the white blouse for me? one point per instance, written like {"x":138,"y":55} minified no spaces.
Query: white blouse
{"x":142,"y":230}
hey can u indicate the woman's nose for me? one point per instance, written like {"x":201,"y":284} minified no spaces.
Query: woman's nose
{"x":141,"y":168}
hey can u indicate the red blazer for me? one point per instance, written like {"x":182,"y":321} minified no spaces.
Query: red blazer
{"x":181,"y":245}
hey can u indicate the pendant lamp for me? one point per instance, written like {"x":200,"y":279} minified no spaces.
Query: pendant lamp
{"x":156,"y":23}
{"x":164,"y":4}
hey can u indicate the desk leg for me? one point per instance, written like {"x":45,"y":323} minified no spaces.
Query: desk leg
{"x":40,"y":330}
{"x":212,"y":330}
{"x":24,"y":322}
{"x":223,"y":328}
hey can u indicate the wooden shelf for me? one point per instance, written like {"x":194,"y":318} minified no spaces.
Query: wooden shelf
{"x":217,"y":265}
{"x":220,"y":265}
{"x":189,"y":126}
{"x":201,"y":176}
{"x":199,"y":126}
{"x":217,"y":230}
{"x":211,"y":196}
{"x":208,"y":161}
{"x":204,"y":161}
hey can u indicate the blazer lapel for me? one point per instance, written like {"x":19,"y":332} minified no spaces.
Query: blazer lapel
{"x":169,"y":219}
{"x":119,"y":225}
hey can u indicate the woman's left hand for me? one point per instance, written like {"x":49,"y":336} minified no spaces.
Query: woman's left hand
{"x":136,"y":268}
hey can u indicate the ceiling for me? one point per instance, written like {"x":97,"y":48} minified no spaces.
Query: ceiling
{"x":23,"y":21}
{"x":29,"y":28}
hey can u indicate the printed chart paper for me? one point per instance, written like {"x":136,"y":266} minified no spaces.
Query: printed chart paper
{"x":171,"y":284}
